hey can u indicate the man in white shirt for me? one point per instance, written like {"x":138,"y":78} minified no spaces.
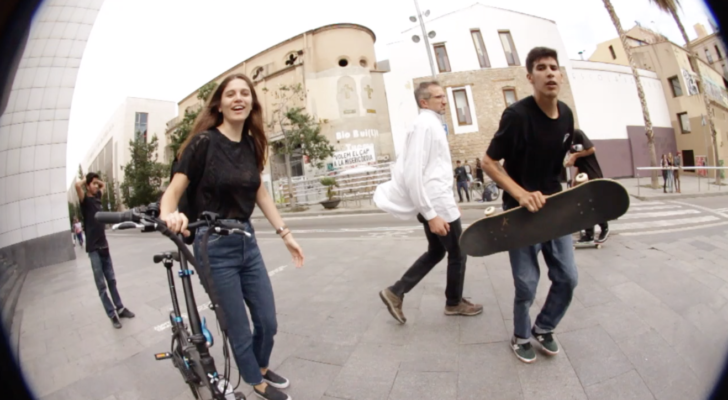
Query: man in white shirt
{"x":421,"y":187}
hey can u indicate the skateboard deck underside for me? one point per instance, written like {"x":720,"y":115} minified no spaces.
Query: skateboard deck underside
{"x":564,"y":213}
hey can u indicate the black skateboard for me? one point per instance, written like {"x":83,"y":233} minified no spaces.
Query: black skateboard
{"x":564,"y":213}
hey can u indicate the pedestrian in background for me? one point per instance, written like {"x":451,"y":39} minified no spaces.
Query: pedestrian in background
{"x":98,"y":248}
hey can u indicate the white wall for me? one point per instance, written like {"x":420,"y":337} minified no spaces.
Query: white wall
{"x":120,"y":128}
{"x":109,"y":131}
{"x":34,"y":126}
{"x":607,"y":102}
{"x":159,"y":113}
{"x":409,"y":60}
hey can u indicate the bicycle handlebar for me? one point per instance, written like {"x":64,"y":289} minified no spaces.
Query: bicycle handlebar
{"x":149,"y":219}
{"x":108,"y":217}
{"x":137,"y":216}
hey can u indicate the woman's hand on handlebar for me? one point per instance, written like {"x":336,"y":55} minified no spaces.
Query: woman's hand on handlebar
{"x":176,"y":222}
{"x":295,"y":249}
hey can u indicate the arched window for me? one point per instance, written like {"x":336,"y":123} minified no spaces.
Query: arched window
{"x":291,"y":58}
{"x":258,"y":73}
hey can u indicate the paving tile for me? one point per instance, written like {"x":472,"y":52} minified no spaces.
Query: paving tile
{"x":578,"y":319}
{"x":607,"y":277}
{"x":661,"y":319}
{"x":707,"y":279}
{"x":674,"y":288}
{"x":705,"y":319}
{"x":305,"y":324}
{"x":385,"y":329}
{"x":627,"y":292}
{"x":628,"y":386}
{"x":425,"y":385}
{"x":620,"y":321}
{"x":285,"y":346}
{"x":662,"y":369}
{"x":593,"y":294}
{"x":632,"y":293}
{"x":309,"y":380}
{"x":426,"y":357}
{"x":30,"y":351}
{"x":324,"y":352}
{"x":488,"y":371}
{"x":368,"y":374}
{"x":550,"y":378}
{"x":67,"y":393}
{"x":594,"y":355}
{"x":346,"y":325}
{"x":704,"y":353}
{"x":487,"y":327}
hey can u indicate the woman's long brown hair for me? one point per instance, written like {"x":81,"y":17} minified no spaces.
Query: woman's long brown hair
{"x":210,"y":117}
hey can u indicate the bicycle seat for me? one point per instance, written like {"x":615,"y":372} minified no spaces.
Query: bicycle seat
{"x":158,"y":258}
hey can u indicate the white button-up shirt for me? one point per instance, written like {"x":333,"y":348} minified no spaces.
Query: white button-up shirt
{"x":422,"y":176}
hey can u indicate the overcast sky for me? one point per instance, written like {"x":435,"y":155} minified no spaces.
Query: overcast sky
{"x":166,"y":49}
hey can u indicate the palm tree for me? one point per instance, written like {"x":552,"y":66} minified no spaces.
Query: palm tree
{"x":640,"y":92}
{"x":670,"y":6}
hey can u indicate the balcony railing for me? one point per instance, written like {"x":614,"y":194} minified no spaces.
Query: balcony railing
{"x":355,"y":184}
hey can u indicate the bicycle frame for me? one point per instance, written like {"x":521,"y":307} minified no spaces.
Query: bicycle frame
{"x":200,"y":338}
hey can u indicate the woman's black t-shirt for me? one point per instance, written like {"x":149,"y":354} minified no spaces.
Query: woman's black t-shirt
{"x":229,"y":184}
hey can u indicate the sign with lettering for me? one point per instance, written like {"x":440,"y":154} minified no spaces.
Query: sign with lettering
{"x":355,"y":155}
{"x":689,"y":78}
{"x":356,"y":134}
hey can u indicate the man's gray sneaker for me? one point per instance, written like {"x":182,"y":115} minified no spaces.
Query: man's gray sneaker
{"x":524,"y":352}
{"x":465,"y":307}
{"x":394,"y":305}
{"x":547,"y":342}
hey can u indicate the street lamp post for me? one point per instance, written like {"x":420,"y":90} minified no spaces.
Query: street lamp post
{"x":425,"y":36}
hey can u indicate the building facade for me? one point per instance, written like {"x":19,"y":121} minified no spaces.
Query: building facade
{"x":612,"y":51}
{"x":480,"y":58}
{"x":686,"y":107}
{"x":134,"y":119}
{"x":34,"y":227}
{"x":610,"y":113}
{"x":336,"y":66}
{"x":711,"y":49}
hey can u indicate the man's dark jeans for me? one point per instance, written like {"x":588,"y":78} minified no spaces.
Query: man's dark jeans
{"x":590,"y":231}
{"x":240,"y":278}
{"x":104,"y":277}
{"x":437,"y":247}
{"x":559,"y":256}
{"x":464,"y":186}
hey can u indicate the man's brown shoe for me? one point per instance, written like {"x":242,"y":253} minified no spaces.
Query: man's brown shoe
{"x":464,"y":308}
{"x":394,"y":305}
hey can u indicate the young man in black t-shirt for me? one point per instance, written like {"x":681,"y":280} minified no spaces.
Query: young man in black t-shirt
{"x":98,"y":248}
{"x":533,"y":138}
{"x":586,"y":161}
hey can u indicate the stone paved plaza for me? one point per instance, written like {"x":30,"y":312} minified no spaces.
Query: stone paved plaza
{"x":649,"y":321}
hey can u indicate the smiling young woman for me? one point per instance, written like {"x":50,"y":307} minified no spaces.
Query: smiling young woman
{"x":228,"y":182}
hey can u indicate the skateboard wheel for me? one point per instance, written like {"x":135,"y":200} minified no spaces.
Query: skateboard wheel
{"x":581,"y":178}
{"x":489,"y":211}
